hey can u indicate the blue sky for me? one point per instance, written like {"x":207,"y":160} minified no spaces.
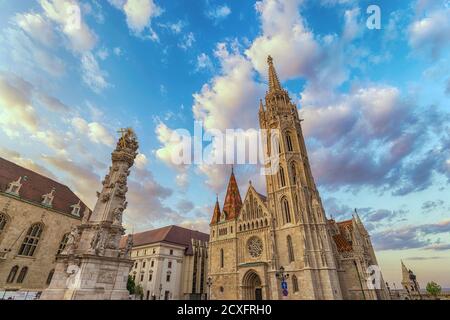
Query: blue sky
{"x":375,"y":104}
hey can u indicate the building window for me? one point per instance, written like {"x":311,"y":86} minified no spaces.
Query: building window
{"x":50,"y":276}
{"x":289,"y":142}
{"x":154,"y":251}
{"x":282,"y":177}
{"x":135,"y":265}
{"x":171,"y":252}
{"x":12,"y":274}
{"x":221,"y":258}
{"x":290,"y":249}
{"x":142,"y":277}
{"x":31,"y":240}
{"x":152,"y":264}
{"x":169,"y":264}
{"x":22,"y":275}
{"x":286,"y":210}
{"x":3,"y":221}
{"x":150,"y":276}
{"x":143,"y":264}
{"x":168,"y":277}
{"x":295,"y":283}
{"x":63,"y":243}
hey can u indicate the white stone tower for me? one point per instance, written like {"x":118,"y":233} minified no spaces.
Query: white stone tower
{"x":92,"y":266}
{"x":294,"y":201}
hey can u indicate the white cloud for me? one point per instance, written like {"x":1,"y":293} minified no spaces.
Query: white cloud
{"x":92,"y":75}
{"x":431,"y":34}
{"x":188,"y":41}
{"x":284,"y":36}
{"x":96,"y":132}
{"x":69,"y":17}
{"x":36,"y":27}
{"x":204,"y":62}
{"x":139,"y":14}
{"x":218,"y":13}
{"x":141,"y":161}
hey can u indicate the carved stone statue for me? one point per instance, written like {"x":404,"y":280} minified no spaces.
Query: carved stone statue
{"x":72,"y":241}
{"x":128,"y":246}
{"x":117,"y":215}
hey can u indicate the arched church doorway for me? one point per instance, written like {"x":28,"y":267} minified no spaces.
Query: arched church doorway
{"x":251,"y":286}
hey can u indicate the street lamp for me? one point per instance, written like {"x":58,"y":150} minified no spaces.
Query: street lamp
{"x":282,"y":276}
{"x":209,"y":284}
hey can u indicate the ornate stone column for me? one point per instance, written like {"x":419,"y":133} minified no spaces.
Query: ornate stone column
{"x":93,"y":266}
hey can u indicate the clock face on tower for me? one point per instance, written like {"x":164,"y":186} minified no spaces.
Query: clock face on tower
{"x":255,"y":247}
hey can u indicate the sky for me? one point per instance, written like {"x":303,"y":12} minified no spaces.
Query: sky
{"x":375,"y":104}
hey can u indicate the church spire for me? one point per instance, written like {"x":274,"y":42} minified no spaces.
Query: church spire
{"x":216,"y":214}
{"x":233,"y":202}
{"x":274,"y":83}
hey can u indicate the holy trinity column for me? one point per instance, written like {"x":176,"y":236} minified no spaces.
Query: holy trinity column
{"x":92,"y":265}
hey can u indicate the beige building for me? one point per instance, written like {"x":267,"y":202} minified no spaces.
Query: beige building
{"x":170,"y":263}
{"x":36,"y":216}
{"x":282,"y":246}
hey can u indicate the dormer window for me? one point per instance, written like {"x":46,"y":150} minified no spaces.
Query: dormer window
{"x":76,"y":209}
{"x":14,"y":187}
{"x":48,"y":198}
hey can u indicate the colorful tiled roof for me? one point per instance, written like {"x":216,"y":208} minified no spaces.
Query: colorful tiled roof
{"x":233,"y":201}
{"x":36,"y":185}
{"x":216,"y":214}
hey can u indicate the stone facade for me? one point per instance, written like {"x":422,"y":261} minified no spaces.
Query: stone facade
{"x":24,"y":207}
{"x":170,"y":263}
{"x":253,"y":240}
{"x":93,"y":266}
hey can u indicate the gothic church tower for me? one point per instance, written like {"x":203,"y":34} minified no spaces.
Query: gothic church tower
{"x":302,"y":244}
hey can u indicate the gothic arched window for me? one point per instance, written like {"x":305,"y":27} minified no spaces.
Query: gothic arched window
{"x":63,"y":243}
{"x":50,"y":276}
{"x":3,"y":222}
{"x":282,"y":177}
{"x":22,"y":275}
{"x":290,"y":249}
{"x":222,"y":258}
{"x":286,"y":211}
{"x":12,"y":274}
{"x":31,"y":240}
{"x":295,"y":283}
{"x":289,"y":142}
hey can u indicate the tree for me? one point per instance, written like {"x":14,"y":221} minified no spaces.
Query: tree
{"x":131,"y":286}
{"x":139,"y":291}
{"x":433,"y":288}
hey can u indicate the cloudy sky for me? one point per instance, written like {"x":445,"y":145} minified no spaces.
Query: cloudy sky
{"x":375,"y":103}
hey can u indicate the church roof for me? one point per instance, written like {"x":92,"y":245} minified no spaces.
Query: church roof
{"x":171,"y":234}
{"x":342,"y":244}
{"x":216,"y":214}
{"x":233,"y":201}
{"x":36,"y":185}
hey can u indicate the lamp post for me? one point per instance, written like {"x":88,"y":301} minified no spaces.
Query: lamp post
{"x":282,"y":276}
{"x":209,"y":284}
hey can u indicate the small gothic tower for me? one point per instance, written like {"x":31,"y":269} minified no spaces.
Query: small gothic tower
{"x":92,"y":265}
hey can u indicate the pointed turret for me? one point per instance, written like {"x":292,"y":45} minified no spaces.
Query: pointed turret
{"x":233,"y":202}
{"x":405,"y":273}
{"x":274,"y":83}
{"x":216,"y":214}
{"x":261,"y":106}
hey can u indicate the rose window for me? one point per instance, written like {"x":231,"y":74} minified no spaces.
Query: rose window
{"x":255,"y":247}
